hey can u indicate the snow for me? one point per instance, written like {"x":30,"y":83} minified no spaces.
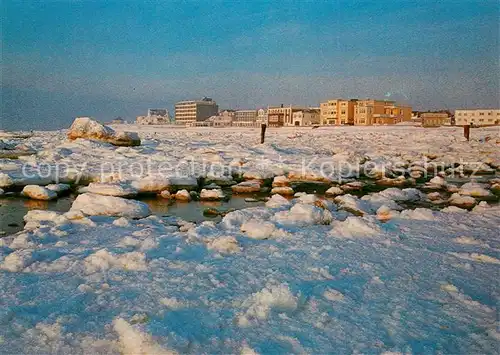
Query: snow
{"x":102,"y":260}
{"x":225,"y":244}
{"x":135,"y":342}
{"x":259,"y":305}
{"x":100,"y":205}
{"x":373,"y":274}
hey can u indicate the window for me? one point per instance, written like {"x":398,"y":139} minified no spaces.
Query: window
{"x":489,"y":113}
{"x":481,"y":113}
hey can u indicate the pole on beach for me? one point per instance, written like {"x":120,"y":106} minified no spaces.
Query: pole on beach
{"x":262,"y":132}
{"x":467,"y":131}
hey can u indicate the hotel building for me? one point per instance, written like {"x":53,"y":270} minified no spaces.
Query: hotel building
{"x":195,"y":111}
{"x":337,"y":112}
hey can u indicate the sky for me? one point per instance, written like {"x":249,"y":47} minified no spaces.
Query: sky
{"x":69,"y":58}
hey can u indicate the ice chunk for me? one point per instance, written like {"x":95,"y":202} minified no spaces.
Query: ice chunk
{"x":58,"y":188}
{"x":303,"y":215}
{"x":356,"y":227}
{"x":334,"y":191}
{"x":16,"y":261}
{"x":211,"y":195}
{"x":110,"y":189}
{"x":282,"y":190}
{"x":474,"y":189}
{"x":182,"y":195}
{"x":5,"y":180}
{"x":100,"y":205}
{"x":151,"y":184}
{"x":38,"y":192}
{"x":258,"y":229}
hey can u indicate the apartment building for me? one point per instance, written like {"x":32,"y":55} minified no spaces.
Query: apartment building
{"x":380,"y":112}
{"x":282,"y":115}
{"x":479,"y":117}
{"x":434,"y":119}
{"x":245,"y":118}
{"x":306,"y":117}
{"x":337,"y":112}
{"x":195,"y":111}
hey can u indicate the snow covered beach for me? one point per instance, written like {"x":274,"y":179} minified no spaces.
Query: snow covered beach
{"x":360,"y":269}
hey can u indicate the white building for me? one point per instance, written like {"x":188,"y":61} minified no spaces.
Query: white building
{"x":477,"y":117}
{"x":223,"y":119}
{"x":261,"y":116}
{"x":306,"y":117}
{"x":155,"y":116}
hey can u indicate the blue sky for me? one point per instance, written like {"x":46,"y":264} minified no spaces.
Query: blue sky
{"x":62,"y":59}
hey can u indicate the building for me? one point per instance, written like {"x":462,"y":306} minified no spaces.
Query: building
{"x":161,"y":112}
{"x":195,"y":111}
{"x":223,"y":119}
{"x":380,"y":112}
{"x":261,"y":116}
{"x":282,"y":115}
{"x":479,"y":117}
{"x":118,"y":120}
{"x":245,"y":118}
{"x":337,"y":112}
{"x":306,"y":117}
{"x":435,"y":119}
{"x":155,"y":116}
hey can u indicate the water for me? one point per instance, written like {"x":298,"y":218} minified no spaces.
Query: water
{"x":13,"y":208}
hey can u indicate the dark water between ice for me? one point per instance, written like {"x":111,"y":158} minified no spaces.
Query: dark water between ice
{"x":13,"y":209}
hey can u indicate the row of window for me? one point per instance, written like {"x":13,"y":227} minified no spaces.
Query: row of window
{"x":480,"y":113}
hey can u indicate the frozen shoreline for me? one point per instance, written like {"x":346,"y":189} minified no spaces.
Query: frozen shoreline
{"x":305,"y":274}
